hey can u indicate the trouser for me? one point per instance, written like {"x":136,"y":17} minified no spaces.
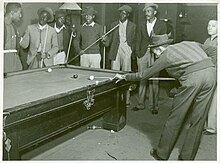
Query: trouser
{"x":123,"y":62}
{"x":192,"y":102}
{"x":211,"y":123}
{"x":37,"y":62}
{"x":123,"y":58}
{"x":90,"y":60}
{"x":153,"y":94}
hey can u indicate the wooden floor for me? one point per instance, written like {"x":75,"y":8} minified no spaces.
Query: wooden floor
{"x":132,"y":143}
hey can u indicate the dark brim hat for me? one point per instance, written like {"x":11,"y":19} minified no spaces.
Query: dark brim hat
{"x":159,"y":40}
{"x":49,"y":10}
{"x":59,"y":14}
{"x":89,"y":10}
{"x":125,"y":8}
{"x":150,"y":5}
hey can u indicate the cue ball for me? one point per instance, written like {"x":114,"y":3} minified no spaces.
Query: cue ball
{"x":75,"y":76}
{"x":49,"y":70}
{"x":92,"y":77}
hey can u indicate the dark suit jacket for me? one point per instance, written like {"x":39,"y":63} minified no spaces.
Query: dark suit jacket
{"x":114,"y":38}
{"x":143,"y":39}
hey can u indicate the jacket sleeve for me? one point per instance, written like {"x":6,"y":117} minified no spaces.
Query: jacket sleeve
{"x":26,"y":38}
{"x":157,"y":66}
{"x":138,"y":41}
{"x":54,"y":43}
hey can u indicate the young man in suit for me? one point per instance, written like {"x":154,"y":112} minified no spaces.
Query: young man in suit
{"x":189,"y":64}
{"x":41,"y":40}
{"x":122,"y":42}
{"x":13,"y":14}
{"x":63,"y":37}
{"x":152,"y":26}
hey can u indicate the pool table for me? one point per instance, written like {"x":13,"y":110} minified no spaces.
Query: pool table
{"x":39,"y":105}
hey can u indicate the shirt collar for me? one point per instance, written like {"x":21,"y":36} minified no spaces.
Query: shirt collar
{"x":59,"y":29}
{"x":42,"y":27}
{"x":91,"y":24}
{"x":212,"y":38}
{"x":153,"y":22}
{"x":124,"y":23}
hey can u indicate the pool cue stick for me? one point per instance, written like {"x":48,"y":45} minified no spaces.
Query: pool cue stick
{"x":162,"y":79}
{"x":94,"y":43}
{"x":103,"y":63}
{"x":70,"y":42}
{"x":42,"y":60}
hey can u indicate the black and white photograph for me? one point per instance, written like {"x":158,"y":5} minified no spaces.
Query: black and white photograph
{"x":109,"y":80}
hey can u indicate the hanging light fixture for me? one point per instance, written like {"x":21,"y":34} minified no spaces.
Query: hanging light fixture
{"x":70,"y":6}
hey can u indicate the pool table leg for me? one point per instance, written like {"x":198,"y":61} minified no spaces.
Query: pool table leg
{"x":115,"y":119}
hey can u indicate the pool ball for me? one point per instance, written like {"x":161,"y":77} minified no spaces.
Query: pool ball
{"x":49,"y":70}
{"x":75,"y":76}
{"x":91,"y":77}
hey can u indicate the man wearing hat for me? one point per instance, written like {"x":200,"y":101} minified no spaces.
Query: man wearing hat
{"x":87,"y":35}
{"x":122,"y":42}
{"x":41,"y":40}
{"x":63,"y":37}
{"x":13,"y":14}
{"x":189,"y":64}
{"x":152,"y":26}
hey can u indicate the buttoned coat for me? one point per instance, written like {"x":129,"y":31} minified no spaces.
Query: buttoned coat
{"x":31,"y":39}
{"x":114,"y":38}
{"x":143,"y":38}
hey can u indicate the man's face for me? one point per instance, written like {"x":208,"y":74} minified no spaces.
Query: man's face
{"x":89,"y":18}
{"x":212,"y":27}
{"x":44,"y":17}
{"x":60,"y":21}
{"x":150,"y":13}
{"x":16,"y":15}
{"x":123,"y":16}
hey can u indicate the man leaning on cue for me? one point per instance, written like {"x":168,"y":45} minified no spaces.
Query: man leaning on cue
{"x":188,"y":63}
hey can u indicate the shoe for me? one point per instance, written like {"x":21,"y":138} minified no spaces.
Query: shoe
{"x":136,"y":108}
{"x":154,"y":111}
{"x":153,"y":153}
{"x":208,"y":133}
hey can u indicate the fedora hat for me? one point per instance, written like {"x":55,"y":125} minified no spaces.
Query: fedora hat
{"x":159,"y":40}
{"x":150,"y":5}
{"x":89,"y":10}
{"x":49,"y":10}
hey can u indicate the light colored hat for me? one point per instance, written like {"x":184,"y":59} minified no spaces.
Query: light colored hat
{"x":150,"y":5}
{"x":125,"y":8}
{"x":49,"y":10}
{"x":159,"y":40}
{"x":89,"y":10}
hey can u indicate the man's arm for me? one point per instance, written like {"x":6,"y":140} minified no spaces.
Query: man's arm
{"x":160,"y":64}
{"x":54,"y":44}
{"x":25,"y":40}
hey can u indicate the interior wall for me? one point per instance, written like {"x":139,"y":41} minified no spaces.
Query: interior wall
{"x":30,"y":14}
{"x":199,"y":17}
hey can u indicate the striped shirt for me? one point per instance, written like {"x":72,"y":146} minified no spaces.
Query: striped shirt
{"x":175,"y":59}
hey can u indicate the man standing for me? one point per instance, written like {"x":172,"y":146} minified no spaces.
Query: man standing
{"x":190,"y":65}
{"x":63,"y":37}
{"x":41,"y":40}
{"x":122,"y":41}
{"x":12,"y":61}
{"x":86,"y":36}
{"x":152,"y":26}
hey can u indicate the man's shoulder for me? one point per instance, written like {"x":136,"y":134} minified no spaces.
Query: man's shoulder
{"x":131,"y":23}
